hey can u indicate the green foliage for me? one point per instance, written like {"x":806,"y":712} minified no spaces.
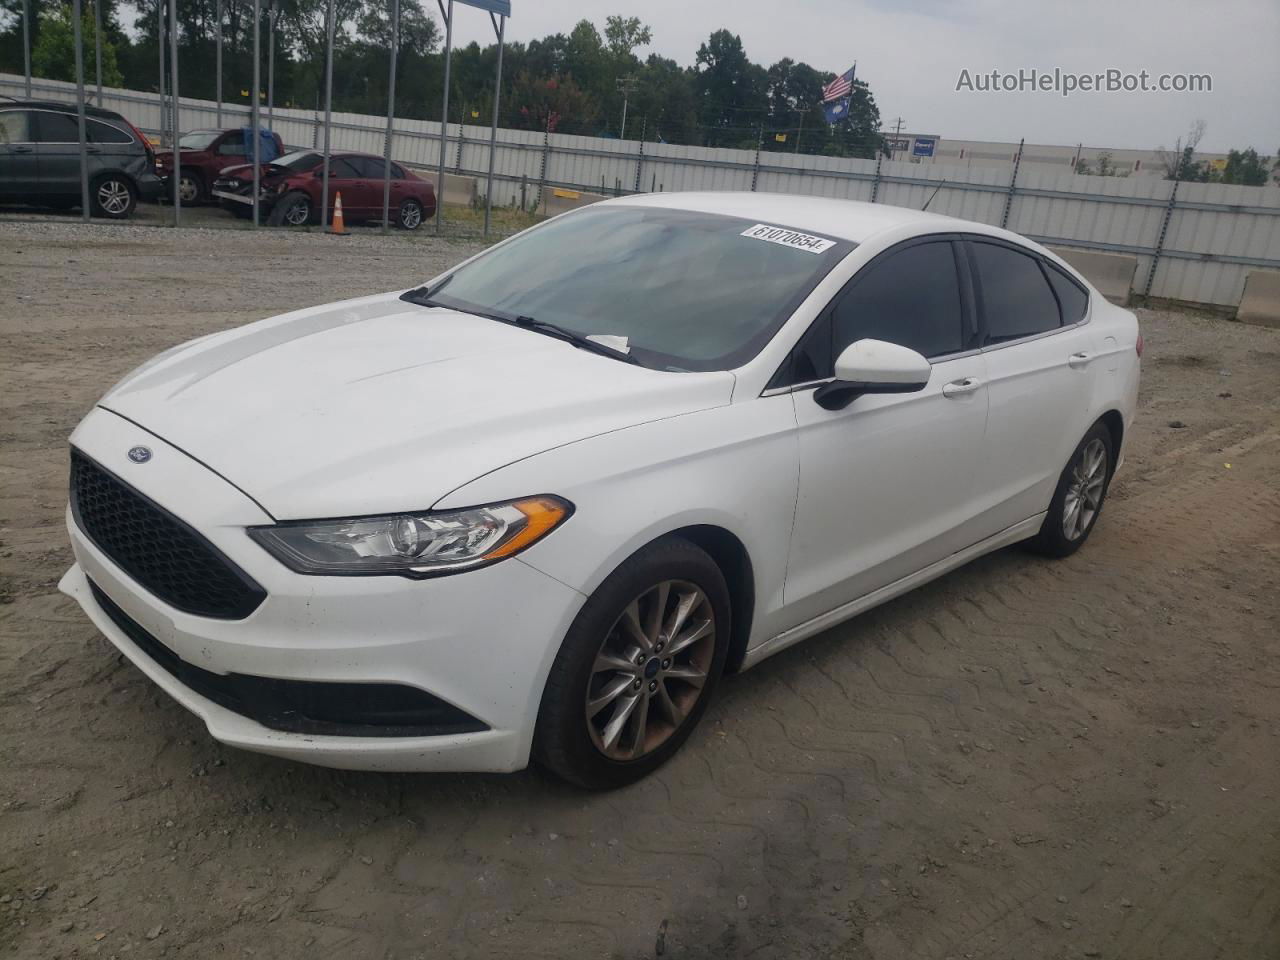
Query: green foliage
{"x":1246,"y":168}
{"x":565,"y":81}
{"x":53,"y":54}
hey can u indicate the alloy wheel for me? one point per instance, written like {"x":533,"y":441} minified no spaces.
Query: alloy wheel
{"x":410,"y":215}
{"x":298,"y":213}
{"x":650,"y":670}
{"x":188,"y":192}
{"x":1084,"y":490}
{"x":113,"y":196}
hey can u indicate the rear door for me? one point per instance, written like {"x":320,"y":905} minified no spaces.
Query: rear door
{"x":374,"y":171}
{"x":18,"y":163}
{"x":1040,"y":367}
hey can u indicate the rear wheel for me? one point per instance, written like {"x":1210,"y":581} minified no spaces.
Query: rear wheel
{"x":292,"y":210}
{"x":1077,"y":501}
{"x":112,"y":196}
{"x":637,"y":668}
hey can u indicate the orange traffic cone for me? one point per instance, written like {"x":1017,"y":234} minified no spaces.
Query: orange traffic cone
{"x":339,"y":226}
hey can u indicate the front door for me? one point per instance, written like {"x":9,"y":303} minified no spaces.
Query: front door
{"x":58,"y":152}
{"x":887,"y":484}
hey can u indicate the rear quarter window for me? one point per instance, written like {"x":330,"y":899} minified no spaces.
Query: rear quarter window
{"x":1072,"y":297}
{"x":100,"y":132}
{"x":1016,"y":298}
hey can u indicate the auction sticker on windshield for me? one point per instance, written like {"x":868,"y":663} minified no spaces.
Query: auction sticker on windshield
{"x":789,"y":238}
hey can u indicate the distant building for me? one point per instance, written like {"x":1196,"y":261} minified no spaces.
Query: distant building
{"x":929,"y":148}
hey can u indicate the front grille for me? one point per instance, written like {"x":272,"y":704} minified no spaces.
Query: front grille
{"x":159,"y":551}
{"x":319,"y":708}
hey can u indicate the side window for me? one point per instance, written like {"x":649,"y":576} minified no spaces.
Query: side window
{"x":1073,"y":298}
{"x":14,"y":126}
{"x":367,"y":167}
{"x":56,"y":127}
{"x":1016,"y":298}
{"x":397,"y":172}
{"x":232,"y":145}
{"x":100,"y":132}
{"x":341,"y":169}
{"x":911,"y":297}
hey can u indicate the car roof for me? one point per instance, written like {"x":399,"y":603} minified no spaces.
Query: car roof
{"x":854,"y":220}
{"x":62,"y":107}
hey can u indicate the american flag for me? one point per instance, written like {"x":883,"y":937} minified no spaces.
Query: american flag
{"x":840,"y":86}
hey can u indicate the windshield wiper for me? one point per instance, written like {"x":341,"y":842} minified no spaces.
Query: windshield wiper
{"x":577,"y":339}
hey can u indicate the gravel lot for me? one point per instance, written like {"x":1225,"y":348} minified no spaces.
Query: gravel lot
{"x":1025,"y":759}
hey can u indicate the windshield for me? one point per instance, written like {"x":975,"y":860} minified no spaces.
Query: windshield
{"x":298,"y":160}
{"x":197,"y":139}
{"x":688,"y":290}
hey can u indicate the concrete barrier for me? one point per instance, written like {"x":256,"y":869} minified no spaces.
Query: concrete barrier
{"x":557,"y":200}
{"x":458,"y":191}
{"x":1111,"y":273}
{"x":1261,"y":301}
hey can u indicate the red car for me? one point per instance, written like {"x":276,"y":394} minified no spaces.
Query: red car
{"x":290,"y":190}
{"x":203,"y":155}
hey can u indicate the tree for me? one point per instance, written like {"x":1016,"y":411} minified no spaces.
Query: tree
{"x":54,"y":54}
{"x":732,"y":91}
{"x":624,"y":34}
{"x":1180,"y":163}
{"x":1246,"y":168}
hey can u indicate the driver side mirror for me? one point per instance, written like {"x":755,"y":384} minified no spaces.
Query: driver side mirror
{"x":873,"y":366}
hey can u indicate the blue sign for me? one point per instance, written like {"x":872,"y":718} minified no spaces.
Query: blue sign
{"x":501,"y":7}
{"x":923,"y":147}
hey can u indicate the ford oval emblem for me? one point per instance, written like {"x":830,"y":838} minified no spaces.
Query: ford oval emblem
{"x":139,"y":454}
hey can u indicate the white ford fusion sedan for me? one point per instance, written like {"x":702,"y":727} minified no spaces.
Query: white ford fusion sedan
{"x":535,"y":507}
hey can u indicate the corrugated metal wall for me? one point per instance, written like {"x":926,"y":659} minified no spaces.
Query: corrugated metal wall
{"x":1208,"y":240}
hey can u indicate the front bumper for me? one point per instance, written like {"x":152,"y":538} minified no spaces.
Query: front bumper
{"x":482,"y":641}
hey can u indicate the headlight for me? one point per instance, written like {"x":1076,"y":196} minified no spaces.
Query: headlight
{"x":413,"y":544}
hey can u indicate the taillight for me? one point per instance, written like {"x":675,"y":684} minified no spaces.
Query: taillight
{"x":142,"y":138}
{"x":1138,"y":346}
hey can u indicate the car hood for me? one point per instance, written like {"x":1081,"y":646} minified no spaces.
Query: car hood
{"x":377,"y":405}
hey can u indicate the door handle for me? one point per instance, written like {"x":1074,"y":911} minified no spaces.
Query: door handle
{"x":92,"y":149}
{"x":961,"y":388}
{"x":1078,"y":360}
{"x":21,"y":149}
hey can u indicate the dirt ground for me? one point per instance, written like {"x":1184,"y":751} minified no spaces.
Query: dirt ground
{"x":1025,"y":759}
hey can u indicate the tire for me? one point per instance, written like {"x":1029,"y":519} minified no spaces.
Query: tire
{"x":192,"y":188}
{"x":112,"y":196}
{"x":291,"y":210}
{"x":410,"y":216}
{"x":601,"y":660}
{"x":1078,"y":499}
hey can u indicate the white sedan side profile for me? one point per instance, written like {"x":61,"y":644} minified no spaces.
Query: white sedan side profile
{"x":538,"y":505}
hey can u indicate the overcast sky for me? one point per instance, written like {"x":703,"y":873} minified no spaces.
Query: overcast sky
{"x":912,"y":53}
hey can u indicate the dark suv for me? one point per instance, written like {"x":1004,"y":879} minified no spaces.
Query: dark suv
{"x":40,"y":158}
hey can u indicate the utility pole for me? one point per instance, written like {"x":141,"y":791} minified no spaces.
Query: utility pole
{"x":800,"y":131}
{"x":897,"y":129}
{"x":626,"y":85}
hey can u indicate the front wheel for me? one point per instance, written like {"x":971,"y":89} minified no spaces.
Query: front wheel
{"x":637,"y":668}
{"x":293,"y":210}
{"x":1077,"y":501}
{"x":191,"y":188}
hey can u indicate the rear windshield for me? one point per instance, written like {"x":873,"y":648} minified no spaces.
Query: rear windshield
{"x":689,"y":290}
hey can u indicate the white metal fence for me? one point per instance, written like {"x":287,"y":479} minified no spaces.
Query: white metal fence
{"x":1194,"y":241}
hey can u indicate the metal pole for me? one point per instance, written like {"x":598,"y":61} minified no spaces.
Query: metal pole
{"x":97,"y":44}
{"x":84,"y":152}
{"x":644,"y":126}
{"x":26,"y":44}
{"x":501,"y":27}
{"x":875,"y":184}
{"x":217,"y":69}
{"x":328,"y":119}
{"x":176,"y":173}
{"x":391,"y":113}
{"x":271,"y":64}
{"x":755,"y":170}
{"x":622,"y":134}
{"x":444,"y":115}
{"x":1164,"y":229}
{"x":1013,"y":181}
{"x":254,"y":120}
{"x":800,"y":131}
{"x":164,"y":113}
